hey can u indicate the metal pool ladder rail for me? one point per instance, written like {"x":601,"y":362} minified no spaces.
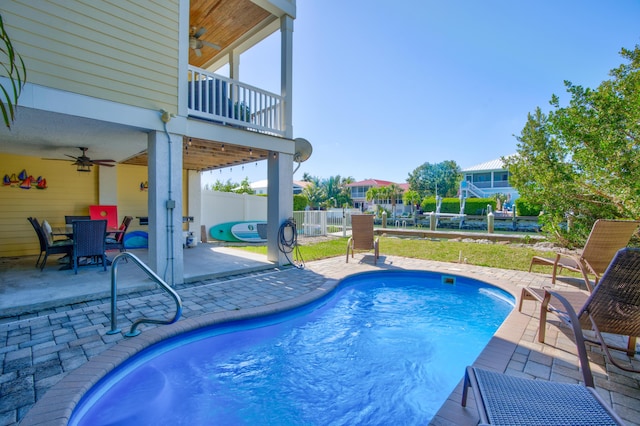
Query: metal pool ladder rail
{"x":114,"y":292}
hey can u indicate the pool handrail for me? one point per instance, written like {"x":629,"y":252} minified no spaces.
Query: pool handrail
{"x":114,"y":292}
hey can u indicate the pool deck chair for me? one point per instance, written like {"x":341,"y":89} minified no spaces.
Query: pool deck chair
{"x":362,"y":236}
{"x":606,"y":238}
{"x":507,"y":400}
{"x":613,"y":306}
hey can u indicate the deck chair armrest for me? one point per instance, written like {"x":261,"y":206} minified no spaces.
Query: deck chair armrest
{"x":579,"y":336}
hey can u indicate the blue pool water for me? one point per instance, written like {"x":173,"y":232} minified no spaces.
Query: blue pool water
{"x":384,"y":348}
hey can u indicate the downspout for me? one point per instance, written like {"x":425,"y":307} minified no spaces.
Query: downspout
{"x":171,"y":204}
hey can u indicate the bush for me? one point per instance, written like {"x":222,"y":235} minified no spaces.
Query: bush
{"x":299,"y":202}
{"x":525,"y":208}
{"x":452,"y":205}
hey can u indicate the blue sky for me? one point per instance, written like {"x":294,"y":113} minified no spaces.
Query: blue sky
{"x":382,"y":87}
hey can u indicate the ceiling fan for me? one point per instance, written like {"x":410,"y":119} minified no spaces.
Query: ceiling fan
{"x":84,"y":163}
{"x":196,"y":44}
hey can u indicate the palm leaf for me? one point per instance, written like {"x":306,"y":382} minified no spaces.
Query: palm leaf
{"x":16,"y":71}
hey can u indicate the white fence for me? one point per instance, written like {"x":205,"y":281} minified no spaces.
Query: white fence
{"x":313,"y":223}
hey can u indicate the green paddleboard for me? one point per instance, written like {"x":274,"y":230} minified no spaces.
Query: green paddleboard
{"x":241,"y":231}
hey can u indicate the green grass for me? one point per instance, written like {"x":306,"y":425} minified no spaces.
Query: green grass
{"x":498,"y":255}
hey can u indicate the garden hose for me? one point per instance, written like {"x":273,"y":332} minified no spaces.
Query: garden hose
{"x":288,"y":244}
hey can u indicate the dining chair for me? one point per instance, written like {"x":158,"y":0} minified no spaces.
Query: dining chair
{"x":48,"y":245}
{"x":89,"y":241}
{"x":115,"y":241}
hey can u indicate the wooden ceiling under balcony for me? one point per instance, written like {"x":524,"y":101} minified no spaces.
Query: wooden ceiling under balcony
{"x":225,"y":22}
{"x":202,"y":155}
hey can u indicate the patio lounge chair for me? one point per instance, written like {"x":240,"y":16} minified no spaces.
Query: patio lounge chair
{"x":48,"y":245}
{"x":507,"y":400}
{"x":613,"y":306}
{"x":362,"y":237}
{"x":606,"y":238}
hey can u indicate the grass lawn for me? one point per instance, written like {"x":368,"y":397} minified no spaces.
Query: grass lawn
{"x":498,"y":255}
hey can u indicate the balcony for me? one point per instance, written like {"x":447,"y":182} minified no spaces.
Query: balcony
{"x":229,"y":102}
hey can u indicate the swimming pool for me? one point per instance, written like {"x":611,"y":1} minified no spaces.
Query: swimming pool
{"x":384,"y":347}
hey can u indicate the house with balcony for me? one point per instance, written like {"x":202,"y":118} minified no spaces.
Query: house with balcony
{"x":139,"y":83}
{"x":487,"y":179}
{"x":359,"y":196}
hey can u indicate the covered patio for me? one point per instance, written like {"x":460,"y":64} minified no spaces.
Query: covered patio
{"x":26,"y":291}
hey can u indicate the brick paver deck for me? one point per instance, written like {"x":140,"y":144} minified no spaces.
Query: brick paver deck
{"x":50,"y":358}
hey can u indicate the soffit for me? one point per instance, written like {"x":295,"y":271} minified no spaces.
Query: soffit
{"x":226,"y":22}
{"x":202,"y":155}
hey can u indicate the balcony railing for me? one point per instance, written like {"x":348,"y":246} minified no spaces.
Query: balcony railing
{"x":226,"y":101}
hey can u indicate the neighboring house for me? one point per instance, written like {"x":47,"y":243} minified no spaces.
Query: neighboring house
{"x":133,"y":81}
{"x":261,"y":186}
{"x":359,"y":196}
{"x":487,"y":179}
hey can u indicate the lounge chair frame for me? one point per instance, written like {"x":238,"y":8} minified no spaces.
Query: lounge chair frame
{"x":362,"y":236}
{"x":613,"y":307}
{"x":607,"y":236}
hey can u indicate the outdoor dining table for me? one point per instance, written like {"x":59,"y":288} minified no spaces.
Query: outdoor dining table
{"x":67,"y":231}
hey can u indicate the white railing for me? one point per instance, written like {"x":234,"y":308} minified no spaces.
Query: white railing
{"x":221,"y":99}
{"x":315,"y":223}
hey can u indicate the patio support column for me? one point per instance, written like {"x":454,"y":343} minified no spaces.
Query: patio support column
{"x":194,"y":200}
{"x":286,"y":73}
{"x":165,"y":206}
{"x":107,"y":186}
{"x":279,"y":201}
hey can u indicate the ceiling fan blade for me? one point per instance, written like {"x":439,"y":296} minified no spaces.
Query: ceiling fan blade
{"x":198,"y":52}
{"x":71,"y":156}
{"x":103,"y":161}
{"x":199,"y":32}
{"x":213,"y":45}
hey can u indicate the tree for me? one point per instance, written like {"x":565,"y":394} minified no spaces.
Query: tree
{"x":581,"y":162}
{"x":315,"y":195}
{"x":444,"y":177}
{"x":336,"y":188}
{"x":394,"y":192}
{"x":244,"y":187}
{"x":227,"y":186}
{"x":16,"y":72}
{"x":411,"y":198}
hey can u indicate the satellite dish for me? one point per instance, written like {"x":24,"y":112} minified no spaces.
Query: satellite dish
{"x":302,"y":153}
{"x":303,"y":150}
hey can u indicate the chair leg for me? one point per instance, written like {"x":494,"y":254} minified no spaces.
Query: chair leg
{"x":543,"y":316}
{"x":631,"y":346}
{"x":44,"y":261}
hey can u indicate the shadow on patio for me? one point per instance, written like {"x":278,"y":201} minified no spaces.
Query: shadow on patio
{"x":24,"y":289}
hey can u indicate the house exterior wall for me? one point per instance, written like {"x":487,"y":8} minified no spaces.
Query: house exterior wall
{"x":126,"y":52}
{"x":68,"y":192}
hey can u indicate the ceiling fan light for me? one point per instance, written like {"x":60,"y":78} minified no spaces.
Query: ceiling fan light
{"x":84,"y":167}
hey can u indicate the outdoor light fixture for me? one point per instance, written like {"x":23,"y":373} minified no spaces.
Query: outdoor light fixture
{"x":223,"y":147}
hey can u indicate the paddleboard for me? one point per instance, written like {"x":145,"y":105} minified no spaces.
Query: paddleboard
{"x":241,"y":231}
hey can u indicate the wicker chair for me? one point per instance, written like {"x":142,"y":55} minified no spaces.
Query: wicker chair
{"x":606,"y":238}
{"x":89,"y":241}
{"x":613,"y":306}
{"x":116,"y":241}
{"x":362,"y":236}
{"x":48,"y":245}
